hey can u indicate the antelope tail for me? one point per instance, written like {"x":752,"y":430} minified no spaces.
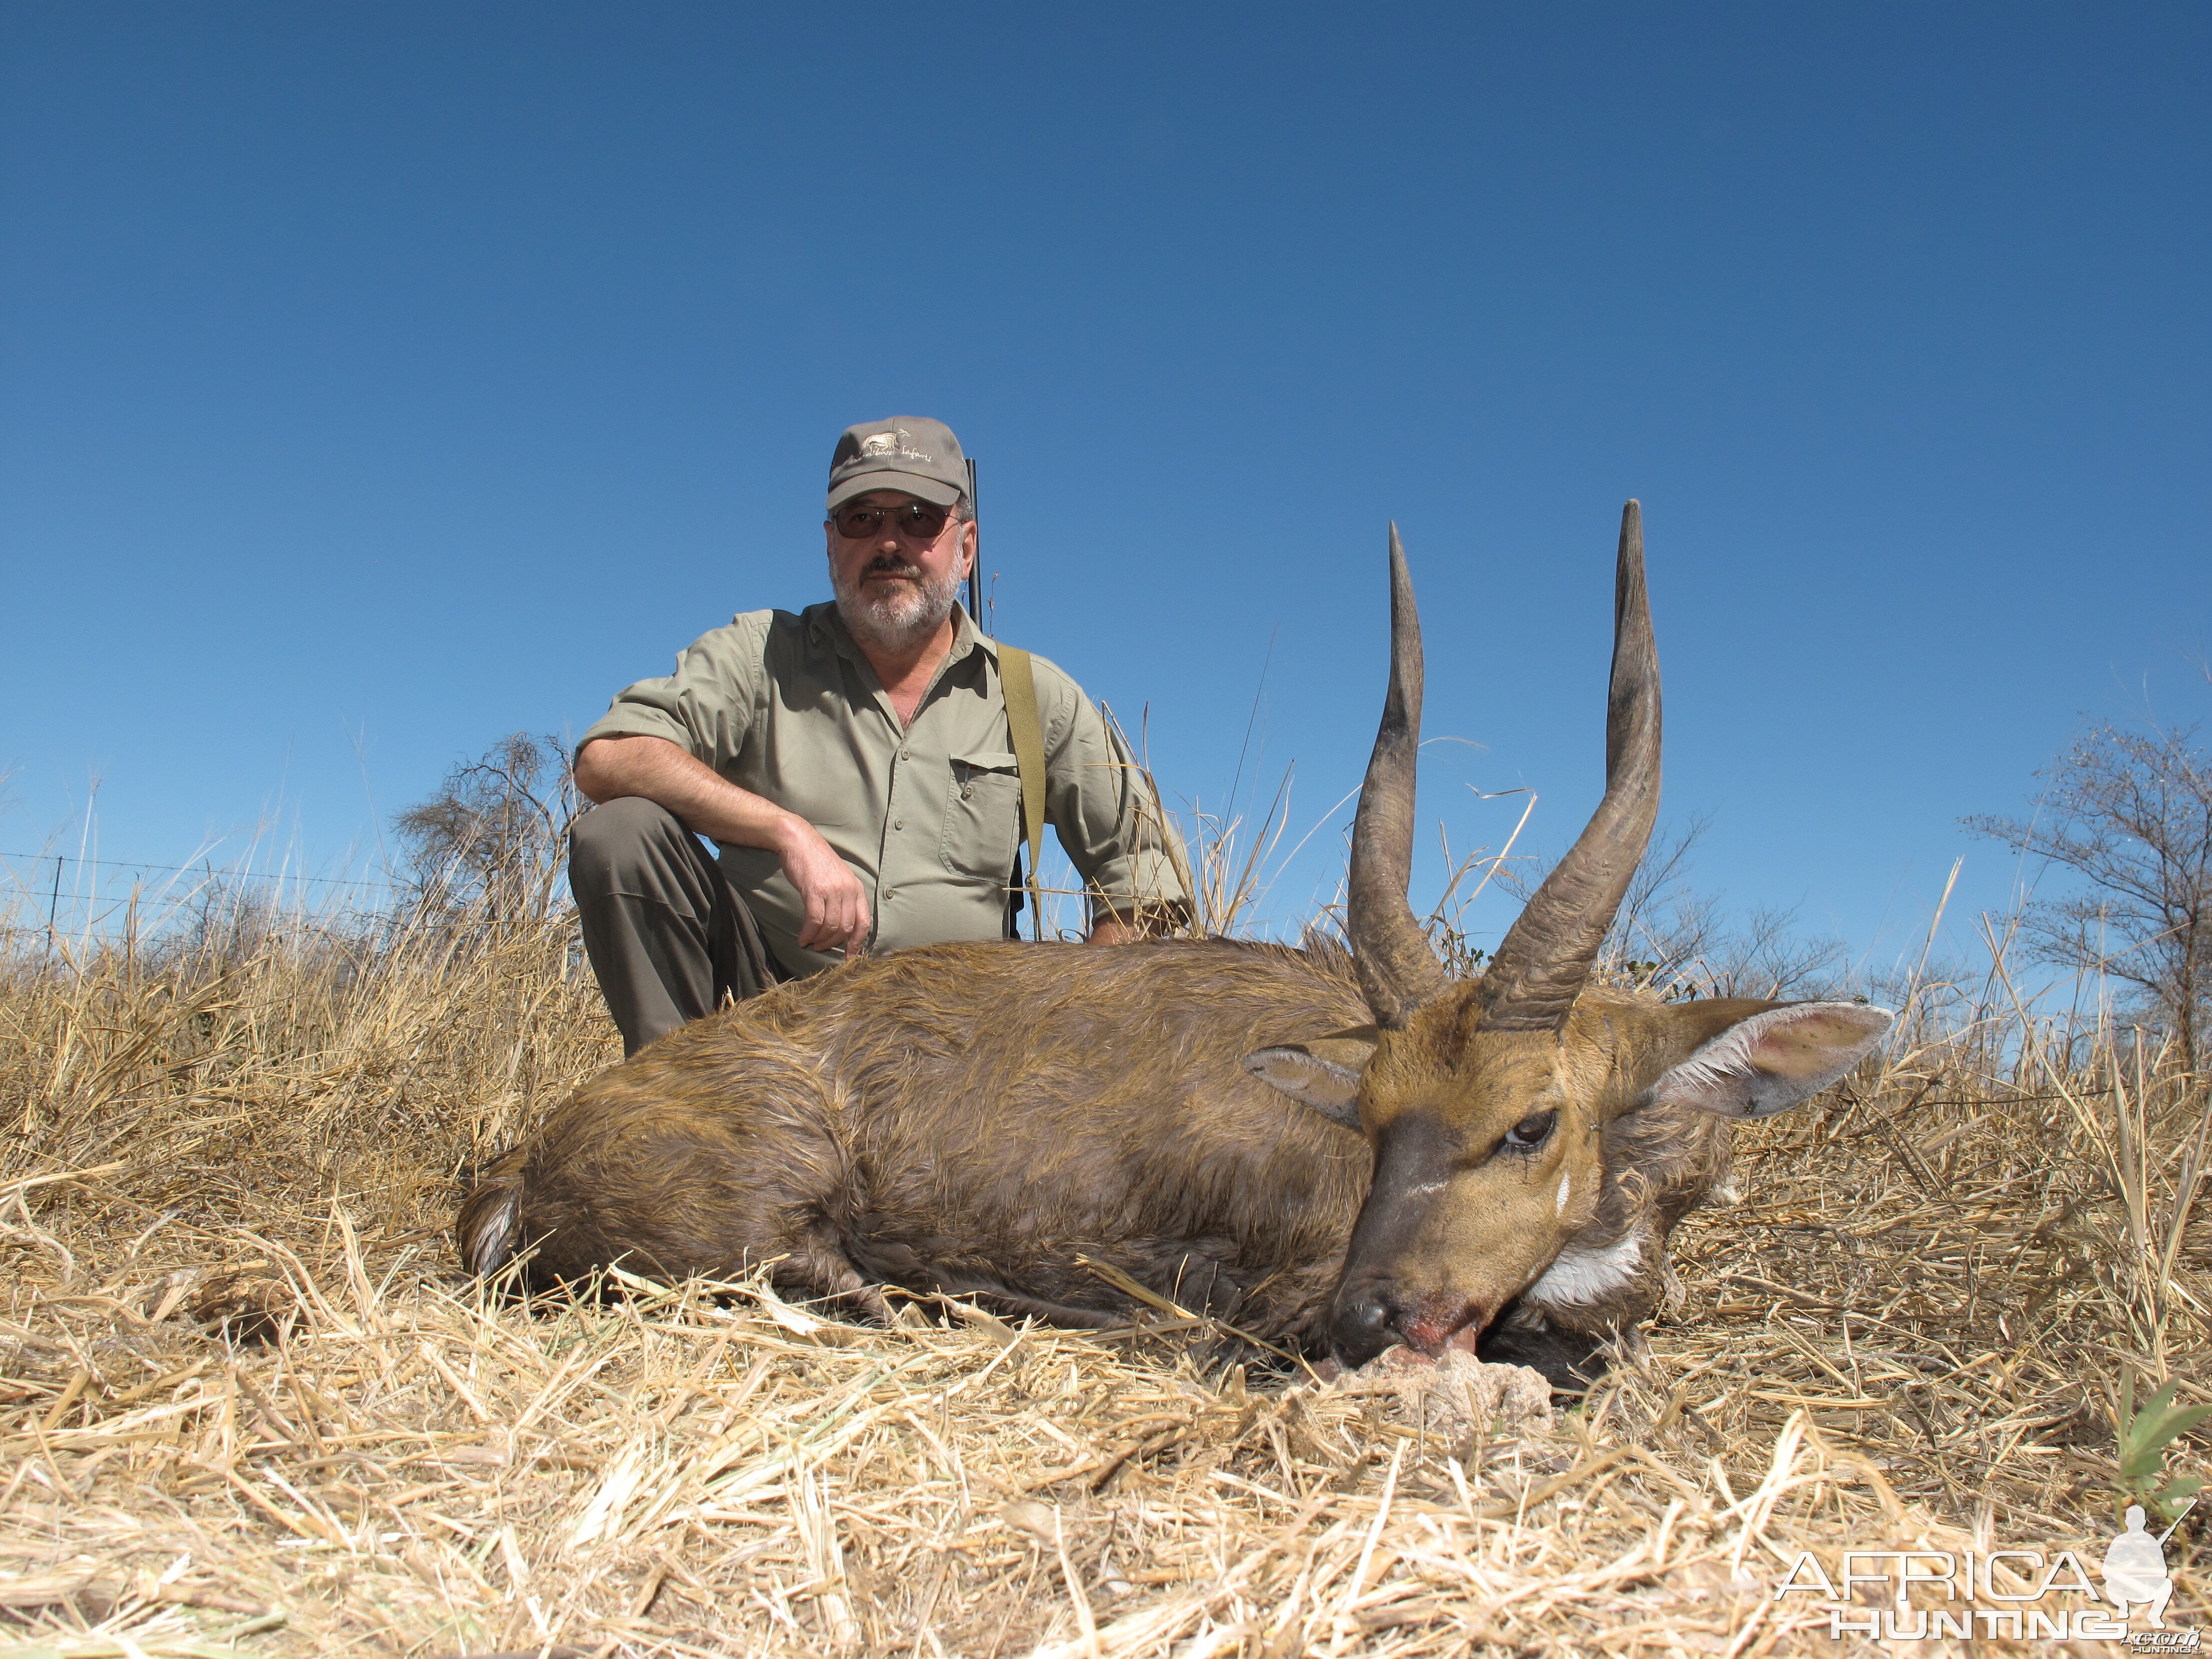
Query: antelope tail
{"x":490,"y":1230}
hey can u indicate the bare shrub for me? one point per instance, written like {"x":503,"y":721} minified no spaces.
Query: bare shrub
{"x":2129,"y":816}
{"x":222,"y":922}
{"x":492,"y":838}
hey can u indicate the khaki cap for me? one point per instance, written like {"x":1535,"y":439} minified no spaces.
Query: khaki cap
{"x":910,"y":453}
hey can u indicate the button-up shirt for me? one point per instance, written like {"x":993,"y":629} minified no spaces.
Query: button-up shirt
{"x":927,"y":814}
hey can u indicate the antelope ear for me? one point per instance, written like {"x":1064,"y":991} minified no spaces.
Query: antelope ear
{"x":1773,"y":1061}
{"x":1324,"y":1073}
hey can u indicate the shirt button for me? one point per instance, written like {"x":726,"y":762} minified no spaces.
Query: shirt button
{"x":902,"y":754}
{"x":899,"y":823}
{"x":889,"y":894}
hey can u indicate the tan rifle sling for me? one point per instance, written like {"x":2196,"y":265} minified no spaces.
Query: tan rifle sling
{"x":1017,"y":680}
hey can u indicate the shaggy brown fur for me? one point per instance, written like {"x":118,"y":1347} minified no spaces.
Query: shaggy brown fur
{"x":978,"y":1119}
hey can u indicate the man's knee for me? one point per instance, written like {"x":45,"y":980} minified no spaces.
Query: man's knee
{"x":619,"y":838}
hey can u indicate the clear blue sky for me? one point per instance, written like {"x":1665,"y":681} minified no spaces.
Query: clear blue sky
{"x":377,"y":380}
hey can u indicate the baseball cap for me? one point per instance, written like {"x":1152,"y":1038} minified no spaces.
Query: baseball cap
{"x":910,"y":453}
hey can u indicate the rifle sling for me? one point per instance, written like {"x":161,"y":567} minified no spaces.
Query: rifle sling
{"x":1017,"y":680}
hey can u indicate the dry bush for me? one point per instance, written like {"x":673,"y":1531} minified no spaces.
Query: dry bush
{"x":1908,"y":1332}
{"x":2128,"y":816}
{"x":488,"y":847}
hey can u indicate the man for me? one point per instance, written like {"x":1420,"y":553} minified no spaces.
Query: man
{"x":855,"y":765}
{"x":2135,"y":1571}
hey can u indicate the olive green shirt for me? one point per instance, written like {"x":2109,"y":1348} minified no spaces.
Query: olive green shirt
{"x":927,"y":815}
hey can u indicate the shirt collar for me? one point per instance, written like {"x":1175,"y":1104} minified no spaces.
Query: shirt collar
{"x":967,"y":637}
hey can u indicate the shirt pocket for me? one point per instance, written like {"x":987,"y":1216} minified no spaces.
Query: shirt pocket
{"x":982,"y":815}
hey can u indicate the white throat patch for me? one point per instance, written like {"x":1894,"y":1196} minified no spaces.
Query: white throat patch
{"x":1581,"y":1275}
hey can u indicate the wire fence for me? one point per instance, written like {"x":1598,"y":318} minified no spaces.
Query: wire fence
{"x":58,"y":910}
{"x":66,"y":895}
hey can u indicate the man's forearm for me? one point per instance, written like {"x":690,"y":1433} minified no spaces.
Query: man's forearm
{"x":705,"y":802}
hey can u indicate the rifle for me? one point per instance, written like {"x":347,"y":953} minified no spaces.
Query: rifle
{"x":975,"y":570}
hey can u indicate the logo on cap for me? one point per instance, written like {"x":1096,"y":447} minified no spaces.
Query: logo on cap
{"x":895,"y":445}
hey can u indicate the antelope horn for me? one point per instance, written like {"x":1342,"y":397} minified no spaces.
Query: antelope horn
{"x":1544,"y":961}
{"x":1397,"y":969}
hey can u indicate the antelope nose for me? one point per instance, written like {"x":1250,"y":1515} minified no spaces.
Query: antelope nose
{"x":1365,"y":1324}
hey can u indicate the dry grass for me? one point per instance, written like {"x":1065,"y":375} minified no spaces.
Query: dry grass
{"x":1906,"y":1335}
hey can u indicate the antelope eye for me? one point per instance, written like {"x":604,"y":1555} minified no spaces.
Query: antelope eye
{"x":1533,"y":1130}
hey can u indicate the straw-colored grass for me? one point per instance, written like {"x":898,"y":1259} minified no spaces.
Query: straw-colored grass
{"x":1907,"y":1333}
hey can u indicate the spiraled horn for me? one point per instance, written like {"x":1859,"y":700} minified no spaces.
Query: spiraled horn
{"x":1545,"y":959}
{"x":1390,"y":953}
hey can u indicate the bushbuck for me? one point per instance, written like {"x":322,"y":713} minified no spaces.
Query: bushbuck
{"x":1333,"y":1151}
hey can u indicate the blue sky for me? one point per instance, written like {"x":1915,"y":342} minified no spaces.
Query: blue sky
{"x":375,"y":381}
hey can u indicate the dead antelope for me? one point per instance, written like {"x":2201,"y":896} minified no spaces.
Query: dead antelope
{"x":1334,"y":1154}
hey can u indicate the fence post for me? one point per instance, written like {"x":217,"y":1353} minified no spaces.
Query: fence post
{"x":53,"y":901}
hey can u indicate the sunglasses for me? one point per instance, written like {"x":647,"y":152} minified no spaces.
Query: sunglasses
{"x":917,"y":520}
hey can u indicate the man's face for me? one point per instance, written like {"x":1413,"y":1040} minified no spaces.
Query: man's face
{"x":895,"y":588}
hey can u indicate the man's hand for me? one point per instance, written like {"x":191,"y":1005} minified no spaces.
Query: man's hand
{"x":1142,"y":922}
{"x":836,"y":904}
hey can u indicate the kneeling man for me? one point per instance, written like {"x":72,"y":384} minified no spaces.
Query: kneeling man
{"x":855,"y":765}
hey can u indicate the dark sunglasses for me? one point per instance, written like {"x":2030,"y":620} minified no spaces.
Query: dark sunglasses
{"x":917,"y":520}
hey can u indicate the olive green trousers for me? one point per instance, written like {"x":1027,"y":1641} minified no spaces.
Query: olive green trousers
{"x":669,"y":938}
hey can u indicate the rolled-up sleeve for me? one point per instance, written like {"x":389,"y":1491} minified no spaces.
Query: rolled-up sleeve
{"x":1101,"y":806}
{"x":707,"y":706}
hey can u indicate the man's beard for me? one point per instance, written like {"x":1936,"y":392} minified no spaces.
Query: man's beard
{"x":897,"y":616}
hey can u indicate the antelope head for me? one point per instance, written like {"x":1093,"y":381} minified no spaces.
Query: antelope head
{"x":1486,"y":1101}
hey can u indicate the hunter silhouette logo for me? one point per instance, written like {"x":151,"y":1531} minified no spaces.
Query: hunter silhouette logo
{"x":2134,"y":1567}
